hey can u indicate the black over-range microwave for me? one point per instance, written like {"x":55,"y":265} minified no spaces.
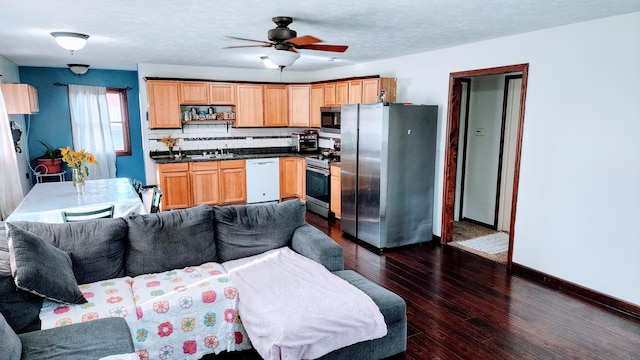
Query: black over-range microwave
{"x":330,"y":119}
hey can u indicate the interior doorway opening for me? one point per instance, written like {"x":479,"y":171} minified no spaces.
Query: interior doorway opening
{"x":486,"y":193}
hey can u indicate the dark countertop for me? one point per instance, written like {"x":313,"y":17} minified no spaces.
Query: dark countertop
{"x":164,"y":159}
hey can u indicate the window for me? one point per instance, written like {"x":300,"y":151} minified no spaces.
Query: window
{"x":119,"y":118}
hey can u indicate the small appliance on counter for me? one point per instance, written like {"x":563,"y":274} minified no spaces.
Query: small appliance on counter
{"x":305,"y":142}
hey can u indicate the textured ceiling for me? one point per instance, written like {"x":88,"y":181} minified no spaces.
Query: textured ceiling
{"x":125,"y":33}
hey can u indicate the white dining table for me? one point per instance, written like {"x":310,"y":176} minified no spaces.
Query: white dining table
{"x":46,"y":201}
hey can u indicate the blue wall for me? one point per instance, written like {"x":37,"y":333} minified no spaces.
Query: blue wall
{"x":53,"y":123}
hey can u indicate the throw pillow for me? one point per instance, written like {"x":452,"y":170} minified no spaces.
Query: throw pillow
{"x":169,"y":240}
{"x":41,"y":268}
{"x":10,"y":344}
{"x":247,"y":230}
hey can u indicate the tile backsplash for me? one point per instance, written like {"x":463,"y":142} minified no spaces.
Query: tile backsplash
{"x":195,"y":137}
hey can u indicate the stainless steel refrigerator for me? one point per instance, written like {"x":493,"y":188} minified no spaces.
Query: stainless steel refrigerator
{"x":387,"y":172}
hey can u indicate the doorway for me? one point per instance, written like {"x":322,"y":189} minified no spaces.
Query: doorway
{"x":502,"y":198}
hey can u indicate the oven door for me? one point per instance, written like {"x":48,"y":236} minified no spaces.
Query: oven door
{"x":318,"y":190}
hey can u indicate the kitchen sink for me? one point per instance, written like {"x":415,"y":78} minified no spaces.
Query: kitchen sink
{"x":212,"y":156}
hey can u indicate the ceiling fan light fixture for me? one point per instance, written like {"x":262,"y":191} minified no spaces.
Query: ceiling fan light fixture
{"x":283,"y":58}
{"x":78,"y":69}
{"x":268,"y":63}
{"x":70,"y":40}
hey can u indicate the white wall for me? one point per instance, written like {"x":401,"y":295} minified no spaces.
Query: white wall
{"x":10,"y":74}
{"x":483,"y":148}
{"x":577,"y":211}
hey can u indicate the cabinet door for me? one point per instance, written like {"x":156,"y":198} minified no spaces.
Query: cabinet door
{"x":276,"y":105}
{"x":292,"y":178}
{"x":370,"y":89}
{"x":317,"y":101}
{"x":342,"y":92}
{"x":330,"y":94}
{"x":164,"y":104}
{"x":20,"y":98}
{"x":335,"y":191}
{"x":249,"y":106}
{"x":299,"y":105}
{"x":205,"y":183}
{"x":175,"y":185}
{"x":194,"y":93}
{"x":233,"y":182}
{"x":355,"y":91}
{"x":222,"y":94}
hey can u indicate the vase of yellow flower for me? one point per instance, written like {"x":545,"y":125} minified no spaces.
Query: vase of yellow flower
{"x":170,"y":142}
{"x":77,"y":162}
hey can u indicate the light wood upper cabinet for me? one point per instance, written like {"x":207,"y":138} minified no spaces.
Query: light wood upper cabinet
{"x":292,"y":178}
{"x":20,"y":98}
{"x":276,"y":105}
{"x":175,"y":184}
{"x":196,"y":93}
{"x":299,"y":105}
{"x":249,"y":105}
{"x":233,"y":182}
{"x":370,"y":90}
{"x":205,"y":183}
{"x":330,"y":94}
{"x":355,"y":92}
{"x":222,"y":94}
{"x":342,"y":92}
{"x":317,"y":101}
{"x":164,"y":104}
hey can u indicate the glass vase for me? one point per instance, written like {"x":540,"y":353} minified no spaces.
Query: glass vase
{"x":170,"y":152}
{"x":77,"y":177}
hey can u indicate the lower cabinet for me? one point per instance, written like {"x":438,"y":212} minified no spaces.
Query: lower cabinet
{"x":175,"y":184}
{"x":292,"y":178}
{"x":334,"y":185}
{"x":209,"y":182}
{"x":233,"y":182}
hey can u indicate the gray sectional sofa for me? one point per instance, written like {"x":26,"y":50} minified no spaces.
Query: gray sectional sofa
{"x":142,"y":244}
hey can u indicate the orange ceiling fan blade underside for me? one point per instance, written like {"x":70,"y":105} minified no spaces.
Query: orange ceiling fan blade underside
{"x":333,"y":48}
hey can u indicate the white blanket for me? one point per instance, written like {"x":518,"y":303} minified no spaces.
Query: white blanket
{"x":294,"y":308}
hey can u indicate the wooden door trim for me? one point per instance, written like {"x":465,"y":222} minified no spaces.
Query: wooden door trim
{"x":453,"y":123}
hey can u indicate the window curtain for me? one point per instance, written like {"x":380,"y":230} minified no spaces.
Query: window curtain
{"x":91,"y":129}
{"x":10,"y":189}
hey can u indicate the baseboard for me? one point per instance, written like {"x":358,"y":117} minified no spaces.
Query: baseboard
{"x":594,"y":296}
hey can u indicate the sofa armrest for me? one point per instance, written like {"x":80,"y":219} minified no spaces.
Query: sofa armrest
{"x":317,"y":246}
{"x":87,"y":340}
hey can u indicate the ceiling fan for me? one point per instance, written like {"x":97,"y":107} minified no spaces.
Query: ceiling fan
{"x":287,"y":41}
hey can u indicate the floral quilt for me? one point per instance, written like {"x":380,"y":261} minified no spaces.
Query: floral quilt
{"x":177,"y":314}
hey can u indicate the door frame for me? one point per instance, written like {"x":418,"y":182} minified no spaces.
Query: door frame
{"x":451,"y":148}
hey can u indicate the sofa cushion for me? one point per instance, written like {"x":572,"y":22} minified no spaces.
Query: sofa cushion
{"x":41,"y":268}
{"x":169,"y":240}
{"x":247,"y":230}
{"x":87,"y":340}
{"x":9,"y":342}
{"x":96,"y":247}
{"x":19,"y":308}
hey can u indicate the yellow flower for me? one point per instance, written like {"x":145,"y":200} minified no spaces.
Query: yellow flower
{"x":77,"y":159}
{"x":169,"y":141}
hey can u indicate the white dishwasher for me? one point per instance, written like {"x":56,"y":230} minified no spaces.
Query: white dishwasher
{"x":263,"y":180}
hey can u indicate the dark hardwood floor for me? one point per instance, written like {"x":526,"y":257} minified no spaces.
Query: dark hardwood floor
{"x":461,"y":306}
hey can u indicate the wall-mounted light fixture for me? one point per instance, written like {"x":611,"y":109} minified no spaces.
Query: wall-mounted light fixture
{"x":70,"y":40}
{"x":78,"y":69}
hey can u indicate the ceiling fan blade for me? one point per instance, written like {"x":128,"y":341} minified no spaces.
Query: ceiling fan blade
{"x":334,"y":48}
{"x":244,"y":39}
{"x":303,"y":40}
{"x":246,"y":46}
